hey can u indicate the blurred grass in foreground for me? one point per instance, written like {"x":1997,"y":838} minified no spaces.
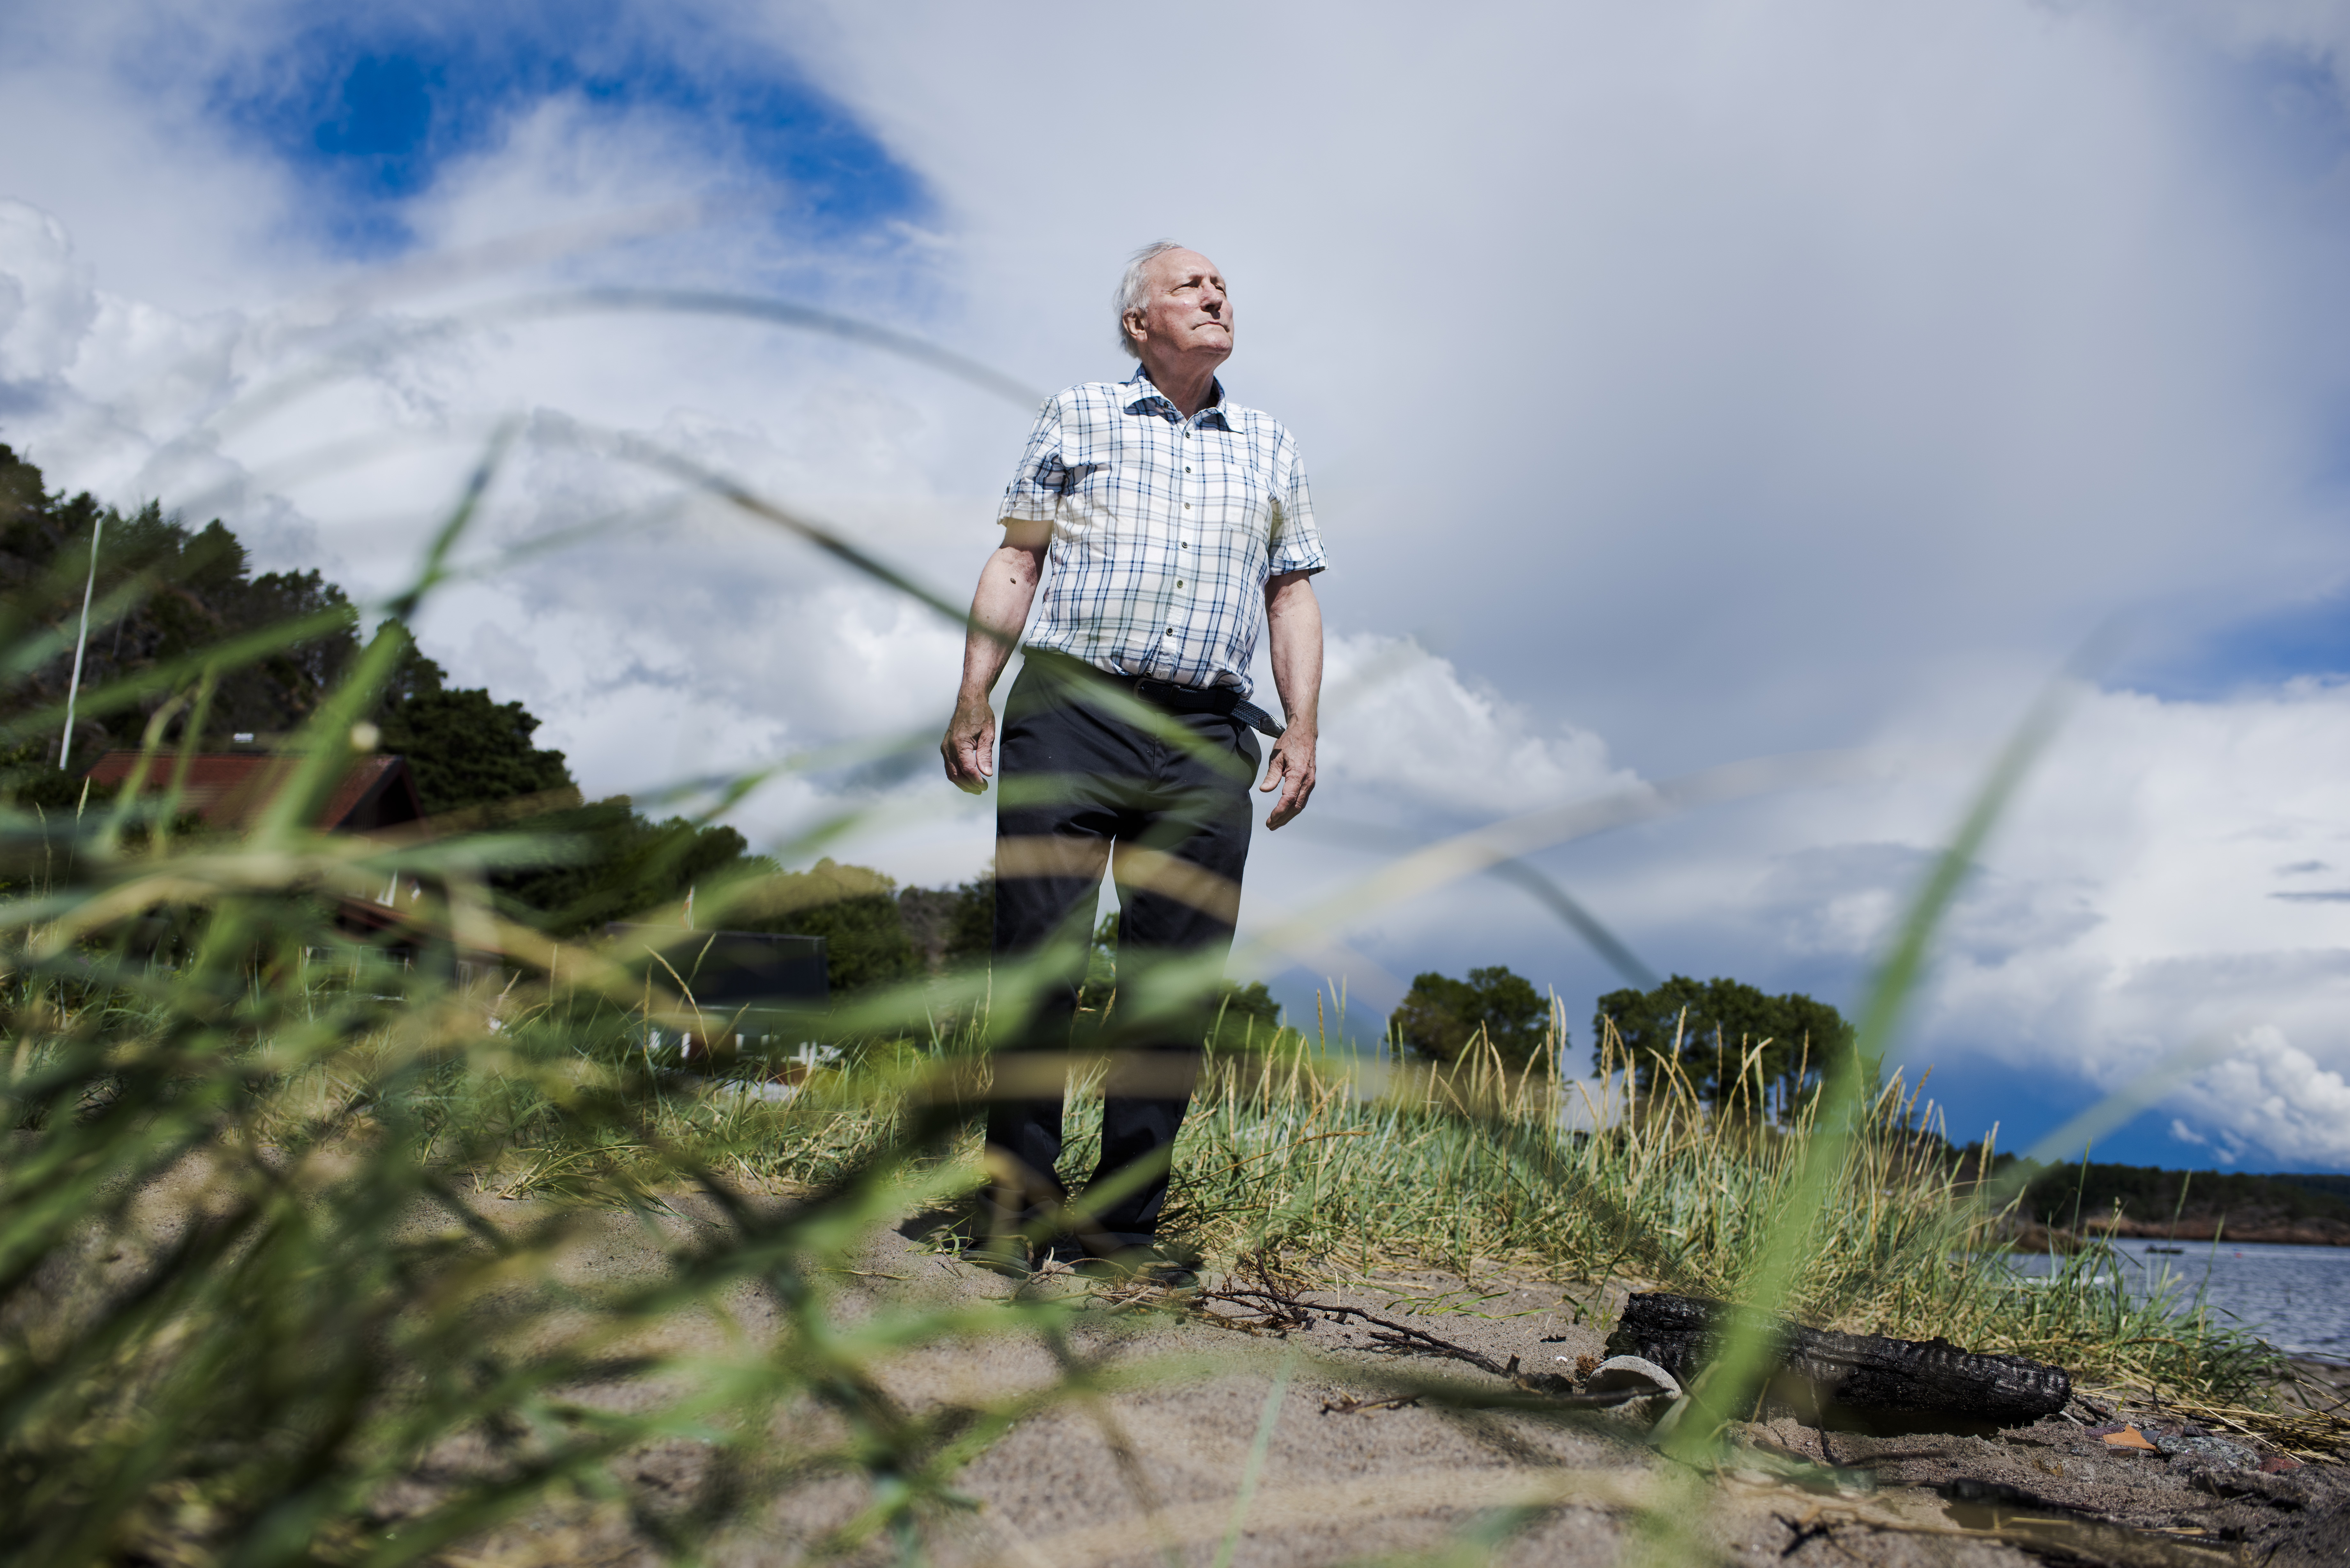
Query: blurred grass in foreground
{"x":249,"y":1288}
{"x":1343,"y":1168}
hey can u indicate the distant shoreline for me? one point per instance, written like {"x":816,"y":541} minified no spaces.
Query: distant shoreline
{"x":2030,"y":1238}
{"x":2090,"y":1200}
{"x":2306,"y":1231}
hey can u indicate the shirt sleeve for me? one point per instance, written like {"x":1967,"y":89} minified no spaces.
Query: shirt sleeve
{"x":1296,"y":544}
{"x":1043,"y":478}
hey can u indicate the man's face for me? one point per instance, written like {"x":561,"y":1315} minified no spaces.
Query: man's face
{"x":1186,"y":312}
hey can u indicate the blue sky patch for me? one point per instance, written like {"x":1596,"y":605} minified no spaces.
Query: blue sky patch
{"x":2310,"y":639}
{"x":368,"y":112}
{"x":1981,"y":1096}
{"x":2296,"y":105}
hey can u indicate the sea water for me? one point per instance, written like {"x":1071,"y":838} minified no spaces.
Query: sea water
{"x":2296,"y":1298}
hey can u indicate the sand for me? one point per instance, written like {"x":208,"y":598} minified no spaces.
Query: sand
{"x":1151,"y":1469}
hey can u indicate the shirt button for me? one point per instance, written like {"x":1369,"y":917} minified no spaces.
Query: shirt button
{"x":1186,"y":506}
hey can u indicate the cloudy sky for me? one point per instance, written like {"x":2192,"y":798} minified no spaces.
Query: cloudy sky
{"x":1683,"y":383}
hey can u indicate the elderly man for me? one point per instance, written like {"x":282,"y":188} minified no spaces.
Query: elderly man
{"x":1177,"y":525}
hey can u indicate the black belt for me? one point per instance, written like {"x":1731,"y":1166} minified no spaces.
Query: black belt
{"x":1202,"y":699}
{"x":1221,"y":699}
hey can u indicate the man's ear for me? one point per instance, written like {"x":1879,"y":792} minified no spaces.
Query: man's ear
{"x":1135,"y":318}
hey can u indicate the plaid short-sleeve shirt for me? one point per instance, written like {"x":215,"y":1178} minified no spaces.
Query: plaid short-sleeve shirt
{"x":1164,"y":529}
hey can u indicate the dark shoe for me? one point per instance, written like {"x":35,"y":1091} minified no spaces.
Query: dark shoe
{"x":1141,"y":1266}
{"x":1008,"y":1255}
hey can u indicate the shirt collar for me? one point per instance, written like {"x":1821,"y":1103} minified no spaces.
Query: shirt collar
{"x":1146,"y":395}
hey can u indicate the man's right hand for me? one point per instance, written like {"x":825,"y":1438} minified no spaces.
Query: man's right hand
{"x":999,"y":609}
{"x":970,"y":744}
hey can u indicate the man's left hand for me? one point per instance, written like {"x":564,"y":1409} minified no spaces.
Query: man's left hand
{"x":1291,"y":766}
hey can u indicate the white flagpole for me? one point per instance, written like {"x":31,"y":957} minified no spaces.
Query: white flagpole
{"x":73,"y":687}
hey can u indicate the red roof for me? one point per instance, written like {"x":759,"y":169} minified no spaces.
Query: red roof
{"x":230,"y":789}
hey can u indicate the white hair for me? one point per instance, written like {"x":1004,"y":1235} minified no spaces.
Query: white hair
{"x":1134,"y":288}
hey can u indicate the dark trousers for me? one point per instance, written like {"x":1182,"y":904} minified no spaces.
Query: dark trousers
{"x":1081,"y":788}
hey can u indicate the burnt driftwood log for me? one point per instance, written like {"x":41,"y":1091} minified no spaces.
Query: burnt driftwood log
{"x":1853,"y":1381}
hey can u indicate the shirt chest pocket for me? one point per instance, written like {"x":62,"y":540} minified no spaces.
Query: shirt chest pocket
{"x":1238,"y":499}
{"x":1131,"y":477}
{"x":1089,"y":509}
{"x":1131,"y":450}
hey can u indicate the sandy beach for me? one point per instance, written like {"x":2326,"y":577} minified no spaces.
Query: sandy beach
{"x":1152,"y":1469}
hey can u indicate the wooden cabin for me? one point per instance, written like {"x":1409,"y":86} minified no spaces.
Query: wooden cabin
{"x":232,"y":789}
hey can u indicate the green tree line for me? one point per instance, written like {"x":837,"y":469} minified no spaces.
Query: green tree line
{"x":1735,"y":1045}
{"x":1729,"y":1039}
{"x":2059,"y":1194}
{"x":167,"y":593}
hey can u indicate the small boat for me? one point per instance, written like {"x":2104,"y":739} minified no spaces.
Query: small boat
{"x":2173,"y":1250}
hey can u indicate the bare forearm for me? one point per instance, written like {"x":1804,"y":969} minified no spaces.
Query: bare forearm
{"x":1294,"y":634}
{"x":1292,"y":621}
{"x":999,"y":609}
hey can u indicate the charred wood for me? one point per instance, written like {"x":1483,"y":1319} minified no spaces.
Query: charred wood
{"x":1858,"y":1381}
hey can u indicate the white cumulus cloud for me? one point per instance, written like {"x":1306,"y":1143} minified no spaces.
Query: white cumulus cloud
{"x":1400,"y":724}
{"x":2276,"y":1095}
{"x":1700,"y":384}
